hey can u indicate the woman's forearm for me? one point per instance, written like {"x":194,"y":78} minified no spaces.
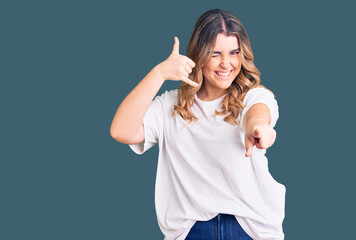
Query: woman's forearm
{"x":131,"y":111}
{"x":258,"y":113}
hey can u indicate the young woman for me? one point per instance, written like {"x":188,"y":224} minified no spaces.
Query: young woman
{"x":212,"y":178}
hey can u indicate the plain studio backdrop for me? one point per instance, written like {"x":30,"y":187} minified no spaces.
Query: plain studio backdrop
{"x":67,"y":65}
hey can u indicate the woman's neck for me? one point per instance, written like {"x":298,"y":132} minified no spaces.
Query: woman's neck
{"x":210,"y":95}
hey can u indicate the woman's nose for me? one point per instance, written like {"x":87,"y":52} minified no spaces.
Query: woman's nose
{"x":225,"y":62}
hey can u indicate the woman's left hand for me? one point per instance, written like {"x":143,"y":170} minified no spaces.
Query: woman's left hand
{"x":259,"y":133}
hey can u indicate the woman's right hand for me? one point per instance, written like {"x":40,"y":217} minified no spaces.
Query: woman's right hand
{"x":177,"y":67}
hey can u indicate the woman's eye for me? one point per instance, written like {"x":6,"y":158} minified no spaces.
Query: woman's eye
{"x":235,"y":53}
{"x":215,"y":55}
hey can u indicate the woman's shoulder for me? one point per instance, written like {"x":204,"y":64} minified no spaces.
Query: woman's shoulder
{"x":259,"y":90}
{"x":259,"y":93}
{"x":169,"y":97}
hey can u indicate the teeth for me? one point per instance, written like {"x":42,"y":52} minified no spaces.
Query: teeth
{"x":223,"y":73}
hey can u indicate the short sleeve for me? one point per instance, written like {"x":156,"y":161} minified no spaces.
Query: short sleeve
{"x":259,"y":95}
{"x":153,"y":126}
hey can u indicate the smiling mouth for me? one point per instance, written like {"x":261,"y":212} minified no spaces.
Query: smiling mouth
{"x":223,"y":74}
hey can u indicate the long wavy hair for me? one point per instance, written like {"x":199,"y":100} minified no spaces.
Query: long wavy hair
{"x":200,"y":50}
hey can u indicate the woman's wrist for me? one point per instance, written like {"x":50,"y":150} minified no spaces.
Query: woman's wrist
{"x":251,"y":123}
{"x":158,"y":71}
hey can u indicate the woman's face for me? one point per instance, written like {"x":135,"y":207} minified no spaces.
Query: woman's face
{"x":224,"y":65}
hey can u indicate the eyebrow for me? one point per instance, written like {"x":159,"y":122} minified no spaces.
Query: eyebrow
{"x":235,"y":50}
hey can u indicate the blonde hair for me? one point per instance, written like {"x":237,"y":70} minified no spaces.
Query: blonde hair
{"x":199,"y":49}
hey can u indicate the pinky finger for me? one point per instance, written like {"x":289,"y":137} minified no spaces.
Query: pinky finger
{"x":190,"y":82}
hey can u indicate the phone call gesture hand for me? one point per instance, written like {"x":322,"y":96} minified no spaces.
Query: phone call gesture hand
{"x":177,"y":67}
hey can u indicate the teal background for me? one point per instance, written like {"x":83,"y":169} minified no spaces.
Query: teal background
{"x":67,"y":65}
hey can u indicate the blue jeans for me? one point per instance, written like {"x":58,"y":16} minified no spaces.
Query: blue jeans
{"x":222,"y":227}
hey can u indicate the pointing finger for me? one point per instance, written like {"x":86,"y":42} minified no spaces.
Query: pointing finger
{"x":175,"y":46}
{"x":249,"y":146}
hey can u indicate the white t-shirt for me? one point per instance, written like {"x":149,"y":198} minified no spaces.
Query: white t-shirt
{"x":202,"y":169}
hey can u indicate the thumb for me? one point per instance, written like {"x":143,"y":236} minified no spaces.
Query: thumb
{"x":257,"y":133}
{"x":249,"y":147}
{"x":175,"y":46}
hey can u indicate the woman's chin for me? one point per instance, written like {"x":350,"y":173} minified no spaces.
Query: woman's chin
{"x":225,"y":85}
